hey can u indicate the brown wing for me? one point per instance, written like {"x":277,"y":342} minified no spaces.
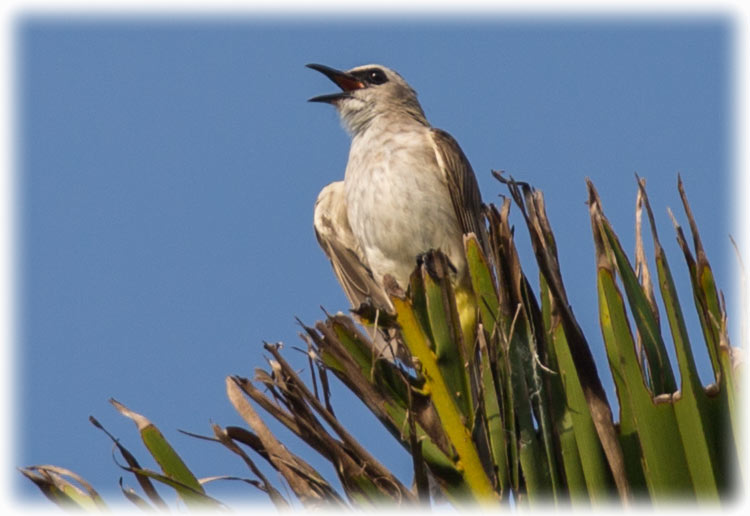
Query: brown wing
{"x":462,"y":184}
{"x":336,"y":239}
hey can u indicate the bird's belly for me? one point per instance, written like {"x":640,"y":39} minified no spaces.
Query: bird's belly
{"x":399,"y":210}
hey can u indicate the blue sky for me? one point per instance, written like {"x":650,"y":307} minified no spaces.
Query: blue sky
{"x":167,"y":170}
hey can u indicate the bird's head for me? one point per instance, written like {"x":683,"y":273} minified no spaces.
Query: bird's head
{"x":367,"y":92}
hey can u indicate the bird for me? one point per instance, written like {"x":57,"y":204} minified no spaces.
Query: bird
{"x":408,"y":188}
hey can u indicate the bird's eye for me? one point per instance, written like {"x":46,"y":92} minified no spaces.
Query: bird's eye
{"x":376,"y":76}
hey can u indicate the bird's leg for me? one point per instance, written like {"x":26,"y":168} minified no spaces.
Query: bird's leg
{"x":428,"y":260}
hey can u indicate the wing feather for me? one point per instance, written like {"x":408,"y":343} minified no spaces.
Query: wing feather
{"x":335,"y":237}
{"x":462,"y":184}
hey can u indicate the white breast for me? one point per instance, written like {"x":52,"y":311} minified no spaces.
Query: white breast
{"x":398,"y":201}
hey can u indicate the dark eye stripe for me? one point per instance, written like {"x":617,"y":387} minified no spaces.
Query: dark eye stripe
{"x":372,"y":76}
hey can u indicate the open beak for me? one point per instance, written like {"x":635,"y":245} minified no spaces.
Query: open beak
{"x":343,"y":80}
